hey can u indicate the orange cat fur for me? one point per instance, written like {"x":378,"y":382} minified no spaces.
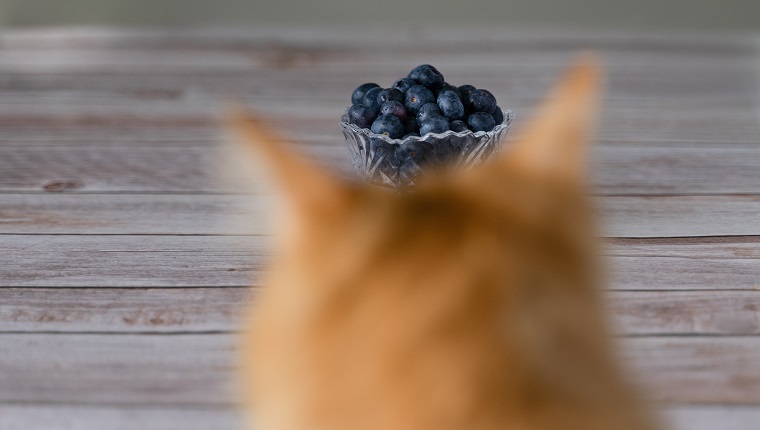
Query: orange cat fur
{"x":472,"y":303}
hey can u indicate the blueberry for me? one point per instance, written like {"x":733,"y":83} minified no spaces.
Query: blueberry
{"x":451,"y":105}
{"x":404,"y":84}
{"x":458,"y":126}
{"x":416,"y":97}
{"x":415,"y":73}
{"x":361,"y":116}
{"x":390,"y":94}
{"x":358,"y":95}
{"x":415,"y":150}
{"x":434,"y":124}
{"x":394,"y":108}
{"x":498,"y":115}
{"x":389,"y":125}
{"x":479,"y":121}
{"x":447,"y":87}
{"x":410,"y":126}
{"x":428,"y":110}
{"x":443,"y":151}
{"x":465,"y":91}
{"x":430,"y":77}
{"x":482,"y":101}
{"x":370,"y":99}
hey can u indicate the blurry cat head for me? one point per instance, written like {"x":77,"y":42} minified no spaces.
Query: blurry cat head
{"x":471,"y":303}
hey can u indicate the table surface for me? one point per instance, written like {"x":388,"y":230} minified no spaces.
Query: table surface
{"x":123,"y":278}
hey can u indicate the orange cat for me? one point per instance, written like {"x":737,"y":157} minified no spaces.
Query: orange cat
{"x":472,"y":303}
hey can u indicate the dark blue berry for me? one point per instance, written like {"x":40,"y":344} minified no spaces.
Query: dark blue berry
{"x":451,"y":105}
{"x":464,"y":91}
{"x":404,"y":84}
{"x":361,"y":116}
{"x":370,"y":99}
{"x":498,"y":115}
{"x":390,"y":94}
{"x":458,"y":126}
{"x":428,"y":110}
{"x":357,"y":97}
{"x":447,"y":87}
{"x":389,"y":125}
{"x":410,"y":126}
{"x":430,"y":77}
{"x":416,"y":97}
{"x":415,"y":151}
{"x":415,"y":73}
{"x":394,"y":108}
{"x":434,"y":124}
{"x":482,"y":101}
{"x":480,"y":121}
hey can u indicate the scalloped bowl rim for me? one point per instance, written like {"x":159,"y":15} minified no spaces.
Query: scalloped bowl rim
{"x":509,"y":117}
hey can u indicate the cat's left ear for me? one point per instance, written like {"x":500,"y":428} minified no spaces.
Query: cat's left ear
{"x":307,"y":189}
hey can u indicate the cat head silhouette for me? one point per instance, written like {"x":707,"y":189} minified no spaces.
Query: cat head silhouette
{"x":471,"y":303}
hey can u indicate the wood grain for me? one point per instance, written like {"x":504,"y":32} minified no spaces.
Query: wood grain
{"x":95,"y":261}
{"x":187,"y":168}
{"x":77,"y":417}
{"x":624,"y":216}
{"x":46,"y":417}
{"x":183,"y":310}
{"x":191,"y":369}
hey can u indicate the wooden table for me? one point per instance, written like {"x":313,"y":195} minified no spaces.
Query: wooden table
{"x":123,"y":278}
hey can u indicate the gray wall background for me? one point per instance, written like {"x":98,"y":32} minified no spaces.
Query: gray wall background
{"x":694,"y":15}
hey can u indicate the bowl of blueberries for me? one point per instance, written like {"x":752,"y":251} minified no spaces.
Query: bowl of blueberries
{"x":421,"y":122}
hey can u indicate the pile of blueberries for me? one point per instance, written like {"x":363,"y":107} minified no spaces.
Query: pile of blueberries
{"x":423,"y":103}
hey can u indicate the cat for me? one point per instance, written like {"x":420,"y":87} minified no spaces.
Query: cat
{"x":471,"y":303}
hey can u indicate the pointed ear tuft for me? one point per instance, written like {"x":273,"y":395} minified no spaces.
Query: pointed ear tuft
{"x":306,"y":188}
{"x":555,"y":142}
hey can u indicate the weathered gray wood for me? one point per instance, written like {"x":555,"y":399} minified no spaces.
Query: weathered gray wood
{"x":108,"y":369}
{"x":95,"y":261}
{"x":624,"y":216}
{"x":47,"y":417}
{"x":106,"y":310}
{"x":103,"y":310}
{"x":199,"y":368}
{"x":198,"y":168}
{"x":685,"y":312}
{"x":132,"y":261}
{"x":712,"y":417}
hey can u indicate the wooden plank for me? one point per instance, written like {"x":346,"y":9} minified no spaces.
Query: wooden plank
{"x":624,"y":216}
{"x":46,"y":417}
{"x":124,"y":261}
{"x":685,"y":312}
{"x":198,"y":168}
{"x":225,"y":38}
{"x":183,"y":310}
{"x":188,"y":369}
{"x":712,"y":417}
{"x":77,"y":129}
{"x":77,"y":417}
{"x":195,"y":369}
{"x":697,"y":370}
{"x":137,"y":310}
{"x":132,"y":261}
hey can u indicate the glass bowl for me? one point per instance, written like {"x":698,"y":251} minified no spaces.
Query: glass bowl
{"x":397,"y":163}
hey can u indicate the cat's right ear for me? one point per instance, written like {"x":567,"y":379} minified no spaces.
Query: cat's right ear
{"x":555,"y":142}
{"x":306,"y":188}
